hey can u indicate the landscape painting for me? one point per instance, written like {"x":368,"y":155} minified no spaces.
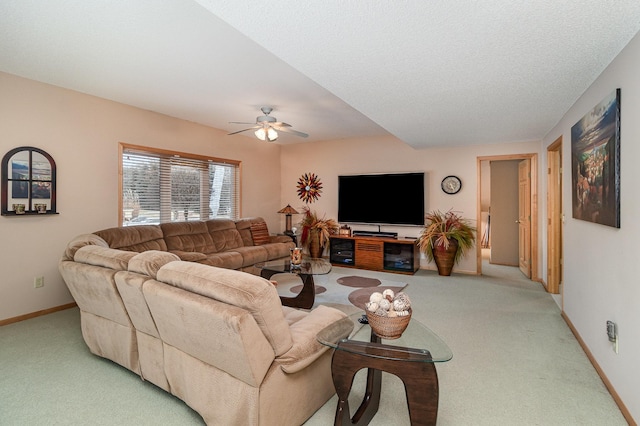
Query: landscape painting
{"x":595,"y":163}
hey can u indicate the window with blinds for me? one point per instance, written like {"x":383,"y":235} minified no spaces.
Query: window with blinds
{"x":160,"y":186}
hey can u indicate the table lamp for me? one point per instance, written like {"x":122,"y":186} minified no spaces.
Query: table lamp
{"x":288,"y":211}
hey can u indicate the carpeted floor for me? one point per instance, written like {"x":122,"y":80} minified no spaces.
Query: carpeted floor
{"x":358,"y":281}
{"x":515,"y":362}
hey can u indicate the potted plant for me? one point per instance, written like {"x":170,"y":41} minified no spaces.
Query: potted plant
{"x":445,"y":238}
{"x":316,"y":232}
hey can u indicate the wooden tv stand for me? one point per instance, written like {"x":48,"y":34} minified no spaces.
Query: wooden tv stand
{"x":375,"y":253}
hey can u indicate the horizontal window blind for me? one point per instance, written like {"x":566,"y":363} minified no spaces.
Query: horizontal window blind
{"x":161,"y":186}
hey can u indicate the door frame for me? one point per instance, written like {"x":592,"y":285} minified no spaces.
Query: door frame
{"x":554,"y":217}
{"x":533,"y":180}
{"x":524,"y":217}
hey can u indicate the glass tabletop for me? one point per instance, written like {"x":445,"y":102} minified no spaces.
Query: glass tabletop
{"x":311,"y":266}
{"x":417,"y":343}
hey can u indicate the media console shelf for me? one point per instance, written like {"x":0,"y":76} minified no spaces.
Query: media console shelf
{"x":375,"y":253}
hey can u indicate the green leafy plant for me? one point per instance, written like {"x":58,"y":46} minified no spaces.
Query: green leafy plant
{"x":440,"y":227}
{"x":312,"y":223}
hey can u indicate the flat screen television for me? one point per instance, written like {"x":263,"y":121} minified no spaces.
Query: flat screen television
{"x":393,"y":199}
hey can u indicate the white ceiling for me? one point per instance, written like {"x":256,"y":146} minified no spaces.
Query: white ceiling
{"x":430,"y":73}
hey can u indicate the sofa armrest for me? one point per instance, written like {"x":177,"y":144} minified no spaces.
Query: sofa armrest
{"x":189,"y":256}
{"x":81,"y":241}
{"x":104,"y":256}
{"x":306,"y":348}
{"x":280,"y":239}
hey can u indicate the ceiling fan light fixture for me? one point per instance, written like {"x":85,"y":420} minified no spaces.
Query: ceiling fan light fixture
{"x":269,"y":134}
{"x":265,"y":127}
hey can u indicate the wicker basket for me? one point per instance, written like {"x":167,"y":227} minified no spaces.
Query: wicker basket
{"x":388,"y":327}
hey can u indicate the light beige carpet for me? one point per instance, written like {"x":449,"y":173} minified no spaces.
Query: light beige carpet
{"x":515,"y":362}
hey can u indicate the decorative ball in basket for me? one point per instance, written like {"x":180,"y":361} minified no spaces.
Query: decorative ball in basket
{"x":388,"y":313}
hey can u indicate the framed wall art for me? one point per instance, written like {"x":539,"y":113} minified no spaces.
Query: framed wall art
{"x":28,"y":182}
{"x":595,"y":163}
{"x":309,"y":187}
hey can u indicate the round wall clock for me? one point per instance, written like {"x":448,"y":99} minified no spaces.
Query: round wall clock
{"x":451,"y":184}
{"x":309,"y":187}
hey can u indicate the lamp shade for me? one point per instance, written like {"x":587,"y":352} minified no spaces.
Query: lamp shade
{"x":288,"y":210}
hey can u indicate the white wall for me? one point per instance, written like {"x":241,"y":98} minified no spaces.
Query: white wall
{"x":601,"y":263}
{"x":485,"y":201}
{"x":376,"y":155}
{"x":82,"y":133}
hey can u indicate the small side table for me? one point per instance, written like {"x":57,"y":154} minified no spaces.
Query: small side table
{"x":414,"y":365}
{"x":306,"y":270}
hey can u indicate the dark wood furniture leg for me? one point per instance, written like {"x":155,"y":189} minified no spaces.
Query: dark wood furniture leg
{"x":305,"y":298}
{"x":419,"y":377}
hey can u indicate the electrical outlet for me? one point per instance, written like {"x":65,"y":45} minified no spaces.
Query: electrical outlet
{"x":612,"y":333}
{"x":38,"y":282}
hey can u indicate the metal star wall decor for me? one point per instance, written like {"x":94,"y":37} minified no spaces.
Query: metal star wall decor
{"x":309,"y":187}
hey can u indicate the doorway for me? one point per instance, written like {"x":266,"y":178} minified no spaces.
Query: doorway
{"x":554,"y":218}
{"x":530,"y":197}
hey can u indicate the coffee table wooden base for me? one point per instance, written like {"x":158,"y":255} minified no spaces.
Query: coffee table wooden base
{"x":419,"y":377}
{"x":307,"y":296}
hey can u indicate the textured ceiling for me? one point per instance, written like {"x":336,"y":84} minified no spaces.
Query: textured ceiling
{"x":429,"y":72}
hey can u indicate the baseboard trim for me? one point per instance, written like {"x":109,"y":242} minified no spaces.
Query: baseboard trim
{"x":504,"y":264}
{"x":429,"y":268}
{"x":625,"y":412}
{"x":37,"y":314}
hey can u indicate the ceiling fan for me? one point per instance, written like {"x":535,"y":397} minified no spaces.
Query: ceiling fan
{"x":268,"y":127}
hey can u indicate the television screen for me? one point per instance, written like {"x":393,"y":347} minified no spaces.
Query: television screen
{"x":394,"y":199}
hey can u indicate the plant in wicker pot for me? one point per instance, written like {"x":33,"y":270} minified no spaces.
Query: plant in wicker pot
{"x":316,"y":232}
{"x":445,"y":238}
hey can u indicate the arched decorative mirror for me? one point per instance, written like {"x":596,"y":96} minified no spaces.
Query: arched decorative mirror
{"x":28,"y":182}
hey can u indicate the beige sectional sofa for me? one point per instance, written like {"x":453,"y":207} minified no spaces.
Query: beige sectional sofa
{"x":217,"y":338}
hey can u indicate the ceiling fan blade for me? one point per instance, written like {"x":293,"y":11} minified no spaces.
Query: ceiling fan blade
{"x":291,"y":131}
{"x":244,"y":130}
{"x":280,"y":123}
{"x":239,"y":122}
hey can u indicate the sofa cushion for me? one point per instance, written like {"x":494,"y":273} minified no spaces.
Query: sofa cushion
{"x":249,"y":292}
{"x":148,"y":262}
{"x":244,"y":228}
{"x":293,"y":315}
{"x":226,"y":259}
{"x":259,"y":233}
{"x":224,"y":234}
{"x":252,"y":255}
{"x":134,"y":238}
{"x":187,"y":236}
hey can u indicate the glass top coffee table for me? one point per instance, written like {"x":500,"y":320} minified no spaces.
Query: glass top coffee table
{"x":412,"y":358}
{"x":306,"y":270}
